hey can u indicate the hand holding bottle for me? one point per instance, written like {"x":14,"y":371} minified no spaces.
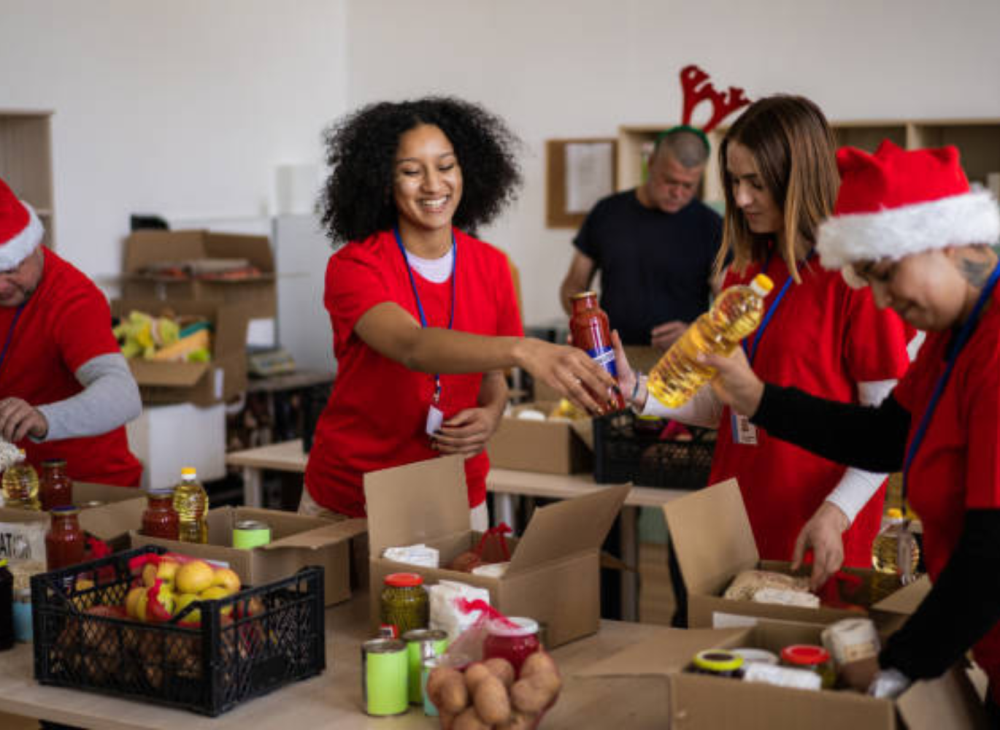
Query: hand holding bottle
{"x":735,"y":383}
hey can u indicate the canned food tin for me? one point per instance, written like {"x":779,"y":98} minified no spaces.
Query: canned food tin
{"x":249,"y":534}
{"x":384,"y":688}
{"x":422,"y":644}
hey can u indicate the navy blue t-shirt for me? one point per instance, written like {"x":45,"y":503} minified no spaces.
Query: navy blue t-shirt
{"x":655,"y":267}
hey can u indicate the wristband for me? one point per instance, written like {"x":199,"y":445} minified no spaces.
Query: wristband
{"x":635,"y":388}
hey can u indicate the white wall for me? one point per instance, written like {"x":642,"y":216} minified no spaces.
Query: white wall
{"x":564,"y":68}
{"x":179,"y":107}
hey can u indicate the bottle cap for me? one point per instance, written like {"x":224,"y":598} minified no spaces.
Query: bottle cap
{"x":189,"y":471}
{"x":762,"y":284}
{"x":805,"y":655}
{"x":894,"y":514}
{"x":403,"y":580}
{"x":715,"y":660}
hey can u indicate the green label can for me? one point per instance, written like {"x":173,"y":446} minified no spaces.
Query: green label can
{"x":422,"y":644}
{"x":249,"y":534}
{"x":384,"y":688}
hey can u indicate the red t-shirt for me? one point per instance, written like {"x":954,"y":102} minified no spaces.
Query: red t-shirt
{"x":824,"y":338}
{"x":377,"y":413}
{"x":957,"y":466}
{"x":63,"y":325}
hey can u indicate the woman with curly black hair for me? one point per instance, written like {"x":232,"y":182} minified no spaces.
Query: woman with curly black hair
{"x":424,"y":316}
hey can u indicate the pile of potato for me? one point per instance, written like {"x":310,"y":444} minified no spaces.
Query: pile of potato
{"x":486,"y":695}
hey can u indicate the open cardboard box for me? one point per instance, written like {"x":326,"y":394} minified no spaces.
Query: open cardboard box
{"x":711,"y":536}
{"x":700,"y":702}
{"x":142,"y":248}
{"x":552,"y":446}
{"x":553,"y":575}
{"x":296,"y":542}
{"x":222,"y":379}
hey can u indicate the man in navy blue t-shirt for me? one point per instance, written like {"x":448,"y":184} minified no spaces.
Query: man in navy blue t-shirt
{"x":655,"y":247}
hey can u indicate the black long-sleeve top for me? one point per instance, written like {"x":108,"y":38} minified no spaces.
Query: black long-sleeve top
{"x":964,"y":603}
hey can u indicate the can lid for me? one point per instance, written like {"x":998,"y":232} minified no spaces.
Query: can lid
{"x":583,"y":295}
{"x":425,"y":635}
{"x":805,"y":655}
{"x":521,"y":627}
{"x":251,"y":525}
{"x":383,"y":646}
{"x":53,"y":462}
{"x":160,"y":491}
{"x":716,"y":660}
{"x":404,"y":580}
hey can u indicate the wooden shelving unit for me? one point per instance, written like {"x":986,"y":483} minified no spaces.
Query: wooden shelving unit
{"x":26,"y":162}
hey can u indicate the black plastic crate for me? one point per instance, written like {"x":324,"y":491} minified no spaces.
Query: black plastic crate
{"x":627,"y":449}
{"x":247,"y":645}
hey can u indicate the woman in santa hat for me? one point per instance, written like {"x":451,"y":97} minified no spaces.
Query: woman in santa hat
{"x":908,"y":225}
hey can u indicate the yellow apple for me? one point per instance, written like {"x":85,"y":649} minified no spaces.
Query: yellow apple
{"x":182,"y":602}
{"x":215,"y":593}
{"x":226,"y":578}
{"x":132,"y":601}
{"x":149,"y":571}
{"x":193,"y":577}
{"x":168,"y":570}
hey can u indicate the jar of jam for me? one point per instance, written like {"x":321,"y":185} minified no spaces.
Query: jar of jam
{"x":592,"y":334}
{"x":64,"y":542}
{"x":55,"y":488}
{"x":160,"y":518}
{"x":404,"y":605}
{"x":717,"y":663}
{"x":814,"y":658}
{"x":514,"y":640}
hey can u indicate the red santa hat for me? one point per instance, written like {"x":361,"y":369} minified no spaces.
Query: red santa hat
{"x":20,"y":229}
{"x":896,"y":203}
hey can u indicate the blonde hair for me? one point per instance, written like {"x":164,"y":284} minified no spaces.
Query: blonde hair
{"x":793,"y":147}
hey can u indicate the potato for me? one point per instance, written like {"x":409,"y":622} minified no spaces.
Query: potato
{"x":518,"y":721}
{"x":447,"y":720}
{"x":491,"y":701}
{"x":465,"y":562}
{"x":453,"y":694}
{"x":436,"y":679}
{"x":474,"y":674}
{"x":469,"y":720}
{"x":537,"y":662}
{"x":501,"y":669}
{"x":530,"y":695}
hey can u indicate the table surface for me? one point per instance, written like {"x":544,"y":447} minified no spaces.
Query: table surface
{"x":333,"y":699}
{"x":289,"y":457}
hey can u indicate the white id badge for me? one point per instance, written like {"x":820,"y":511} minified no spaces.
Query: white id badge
{"x":434,"y":420}
{"x":744,"y":432}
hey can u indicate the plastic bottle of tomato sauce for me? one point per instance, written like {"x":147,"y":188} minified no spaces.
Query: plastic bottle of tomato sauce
{"x":592,"y":334}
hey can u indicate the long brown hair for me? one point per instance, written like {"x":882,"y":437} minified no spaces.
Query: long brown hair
{"x":795,"y":152}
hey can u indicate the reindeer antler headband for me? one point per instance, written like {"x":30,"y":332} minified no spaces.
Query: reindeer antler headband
{"x":697,"y":87}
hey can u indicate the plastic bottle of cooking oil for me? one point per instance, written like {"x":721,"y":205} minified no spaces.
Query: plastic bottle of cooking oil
{"x":735,"y":314}
{"x":191,"y":506}
{"x":20,"y":484}
{"x":893,"y":544}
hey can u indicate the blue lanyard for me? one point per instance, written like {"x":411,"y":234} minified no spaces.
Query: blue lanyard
{"x":953,"y":350}
{"x":752,"y":350}
{"x":10,"y":336}
{"x":416,"y":295}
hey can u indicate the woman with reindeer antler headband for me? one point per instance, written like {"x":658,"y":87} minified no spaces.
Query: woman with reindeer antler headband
{"x":780,"y":178}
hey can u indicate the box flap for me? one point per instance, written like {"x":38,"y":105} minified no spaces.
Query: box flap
{"x":147,"y":246}
{"x":321,"y":536}
{"x":949,"y":701}
{"x":663,"y":651}
{"x":906,"y":600}
{"x":568,"y":527}
{"x":417,"y":502}
{"x":173,"y":374}
{"x":584,"y":429}
{"x":111,"y":520}
{"x":255,"y":249}
{"x":710,"y":533}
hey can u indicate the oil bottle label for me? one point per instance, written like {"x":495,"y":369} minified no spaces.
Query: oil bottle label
{"x":605,"y":357}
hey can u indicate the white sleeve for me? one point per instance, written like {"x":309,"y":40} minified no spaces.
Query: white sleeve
{"x":857,"y":486}
{"x":704,"y":409}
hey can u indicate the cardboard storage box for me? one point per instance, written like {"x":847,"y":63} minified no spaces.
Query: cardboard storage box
{"x":296,"y":542}
{"x":222,"y":379}
{"x":711,"y":535}
{"x":553,"y":575}
{"x":120,"y":511}
{"x":556,"y":446}
{"x":700,"y":702}
{"x":142,"y":248}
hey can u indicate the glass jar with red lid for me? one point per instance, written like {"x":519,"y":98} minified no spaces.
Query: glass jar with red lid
{"x":64,"y":542}
{"x":55,"y":488}
{"x":513,"y":639}
{"x":592,"y":333}
{"x":404,"y":604}
{"x":160,"y":519}
{"x":814,"y":658}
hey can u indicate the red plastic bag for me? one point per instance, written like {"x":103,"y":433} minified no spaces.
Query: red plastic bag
{"x":492,"y":548}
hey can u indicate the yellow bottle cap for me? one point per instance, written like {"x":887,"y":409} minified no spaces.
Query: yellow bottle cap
{"x":763,"y":282}
{"x":894,"y":513}
{"x":189,"y":471}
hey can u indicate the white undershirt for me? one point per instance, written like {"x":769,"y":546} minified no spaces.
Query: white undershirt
{"x":436,"y":270}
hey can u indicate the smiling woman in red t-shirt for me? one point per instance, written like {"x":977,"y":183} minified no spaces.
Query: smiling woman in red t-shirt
{"x":424,"y":316}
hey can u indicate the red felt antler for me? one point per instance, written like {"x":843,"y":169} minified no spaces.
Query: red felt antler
{"x":698,"y":87}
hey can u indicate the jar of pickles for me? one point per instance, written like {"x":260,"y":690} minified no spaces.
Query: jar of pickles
{"x":513,"y":639}
{"x":717,"y":663}
{"x":404,"y":605}
{"x":814,"y":658}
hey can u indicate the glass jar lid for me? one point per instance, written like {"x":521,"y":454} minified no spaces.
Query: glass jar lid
{"x":805,"y":655}
{"x":404,"y":580}
{"x":513,"y":626}
{"x":716,"y":660}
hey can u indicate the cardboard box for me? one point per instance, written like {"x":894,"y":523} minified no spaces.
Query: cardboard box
{"x":711,"y":535}
{"x":222,"y":379}
{"x":556,"y":446}
{"x":145,"y":247}
{"x":296,"y":542}
{"x":553,"y":575}
{"x":700,"y":702}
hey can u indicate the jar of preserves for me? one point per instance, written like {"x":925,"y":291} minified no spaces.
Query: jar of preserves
{"x":514,"y":640}
{"x":592,"y":334}
{"x":64,"y":542}
{"x":160,"y":518}
{"x":55,"y":488}
{"x":404,"y":605}
{"x":717,"y":663}
{"x":814,"y":658}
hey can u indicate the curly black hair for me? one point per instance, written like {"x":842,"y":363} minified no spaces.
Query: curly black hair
{"x":357,"y":199}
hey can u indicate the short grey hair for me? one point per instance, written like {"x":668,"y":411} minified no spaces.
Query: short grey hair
{"x":686,"y":147}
